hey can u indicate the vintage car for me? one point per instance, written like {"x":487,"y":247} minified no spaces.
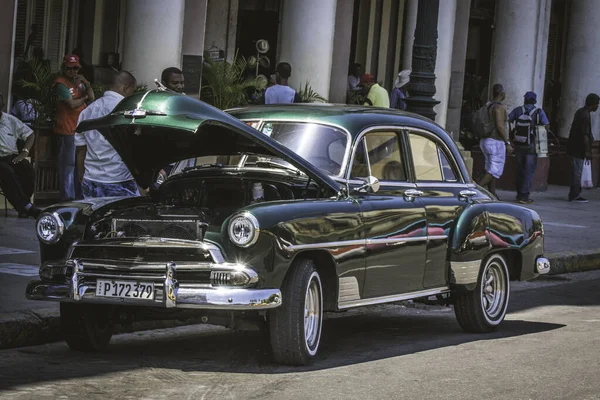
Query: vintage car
{"x":274,"y":215}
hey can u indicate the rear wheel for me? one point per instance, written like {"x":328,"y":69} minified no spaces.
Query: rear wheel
{"x":296,"y":325}
{"x":86,"y":327}
{"x":485,"y":308}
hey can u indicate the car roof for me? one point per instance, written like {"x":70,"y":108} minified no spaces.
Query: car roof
{"x":353,"y":118}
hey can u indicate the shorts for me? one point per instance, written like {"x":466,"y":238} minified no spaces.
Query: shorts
{"x":495,"y":156}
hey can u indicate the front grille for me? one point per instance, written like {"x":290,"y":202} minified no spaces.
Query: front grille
{"x":141,"y":254}
{"x":186,"y":229}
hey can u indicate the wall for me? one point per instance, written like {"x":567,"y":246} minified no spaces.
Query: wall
{"x":221,"y":22}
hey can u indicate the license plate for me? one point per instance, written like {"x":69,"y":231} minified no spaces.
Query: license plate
{"x":125,"y":289}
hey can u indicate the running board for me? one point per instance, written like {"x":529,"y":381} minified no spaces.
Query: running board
{"x":392,"y":298}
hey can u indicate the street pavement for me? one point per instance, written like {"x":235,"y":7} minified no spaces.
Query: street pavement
{"x":571,"y":230}
{"x":548,"y":348}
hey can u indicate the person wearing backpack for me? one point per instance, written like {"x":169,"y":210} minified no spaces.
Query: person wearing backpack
{"x":490,"y":123}
{"x":524,"y":135}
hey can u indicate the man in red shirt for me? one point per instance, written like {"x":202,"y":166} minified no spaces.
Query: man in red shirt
{"x":74,"y":92}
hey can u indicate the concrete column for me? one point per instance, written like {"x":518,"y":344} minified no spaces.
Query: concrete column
{"x":7,"y":44}
{"x":457,"y":78}
{"x":306,"y":42}
{"x":443,"y":65}
{"x":341,"y":53}
{"x":412,"y":6}
{"x":221,"y":26}
{"x":520,"y":48}
{"x":153,"y":40}
{"x":582,"y":58}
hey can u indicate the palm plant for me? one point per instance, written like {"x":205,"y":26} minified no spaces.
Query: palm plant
{"x":227,"y":85}
{"x":36,"y":84}
{"x":308,"y":95}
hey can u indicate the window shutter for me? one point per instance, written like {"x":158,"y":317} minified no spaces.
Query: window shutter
{"x":552,"y":49}
{"x":39,"y":17}
{"x":21,"y":30}
{"x":55,"y":33}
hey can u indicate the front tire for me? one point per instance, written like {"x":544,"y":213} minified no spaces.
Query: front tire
{"x":295,"y":326}
{"x":484,"y":309}
{"x":86,"y":327}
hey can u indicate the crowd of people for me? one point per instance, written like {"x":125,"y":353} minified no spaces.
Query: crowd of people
{"x":88,"y":166}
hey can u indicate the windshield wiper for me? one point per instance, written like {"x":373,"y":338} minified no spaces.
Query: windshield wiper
{"x":201,"y":166}
{"x":272,"y":164}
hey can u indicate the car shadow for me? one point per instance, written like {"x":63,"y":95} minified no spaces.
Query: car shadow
{"x":348,"y":338}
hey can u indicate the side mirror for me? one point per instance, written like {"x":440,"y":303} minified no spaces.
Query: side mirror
{"x":371,"y":185}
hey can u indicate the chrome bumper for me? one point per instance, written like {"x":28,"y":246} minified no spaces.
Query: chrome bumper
{"x":542,"y":265}
{"x":168,"y":293}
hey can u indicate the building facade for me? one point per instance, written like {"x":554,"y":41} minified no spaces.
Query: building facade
{"x":539,"y":45}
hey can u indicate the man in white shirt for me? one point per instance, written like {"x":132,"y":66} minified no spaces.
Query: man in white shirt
{"x":16,"y":173}
{"x":102,"y":172}
{"x":281,"y":93}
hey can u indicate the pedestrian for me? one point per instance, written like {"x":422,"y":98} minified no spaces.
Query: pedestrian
{"x":376,"y":95}
{"x":354,"y":80}
{"x":102,"y":173}
{"x":281,"y":92}
{"x":527,"y":118}
{"x":495,"y":147}
{"x":16,"y":172}
{"x":173,"y":79}
{"x":73,"y":92}
{"x":579,"y":146}
{"x":399,"y":93}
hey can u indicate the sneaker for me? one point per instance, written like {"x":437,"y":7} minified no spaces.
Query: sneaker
{"x":525,"y":201}
{"x":580,"y":200}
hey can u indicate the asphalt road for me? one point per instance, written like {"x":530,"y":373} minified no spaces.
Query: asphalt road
{"x":548,"y":348}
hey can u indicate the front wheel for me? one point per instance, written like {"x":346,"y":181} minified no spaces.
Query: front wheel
{"x":485,"y":308}
{"x":296,"y":325}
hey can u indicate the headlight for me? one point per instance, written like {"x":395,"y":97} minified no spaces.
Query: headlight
{"x":50,"y":227}
{"x":243,"y":229}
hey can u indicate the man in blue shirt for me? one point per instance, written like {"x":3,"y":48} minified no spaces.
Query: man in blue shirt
{"x":525,"y":153}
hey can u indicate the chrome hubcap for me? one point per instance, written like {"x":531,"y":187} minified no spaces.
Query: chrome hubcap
{"x":312,"y":314}
{"x":493,"y":289}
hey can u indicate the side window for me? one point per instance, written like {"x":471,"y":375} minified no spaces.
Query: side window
{"x":383,"y":156}
{"x":431,"y":164}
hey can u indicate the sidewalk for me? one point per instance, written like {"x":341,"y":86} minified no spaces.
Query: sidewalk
{"x":572,"y":243}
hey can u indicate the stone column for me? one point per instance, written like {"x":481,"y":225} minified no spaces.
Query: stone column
{"x":582,"y":60}
{"x":306,"y":42}
{"x":153,"y":39}
{"x":7,"y":44}
{"x":443,"y":64}
{"x":457,"y":79}
{"x":409,"y":33}
{"x":341,"y":54}
{"x":193,"y":42}
{"x":422,"y":79}
{"x":520,"y":48}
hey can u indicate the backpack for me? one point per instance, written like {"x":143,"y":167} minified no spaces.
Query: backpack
{"x":483,"y":124}
{"x":524,"y":132}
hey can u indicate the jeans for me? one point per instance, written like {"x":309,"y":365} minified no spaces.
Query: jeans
{"x":68,"y":185}
{"x":575,"y":191}
{"x":526,"y":164}
{"x":16,"y":181}
{"x":93,"y":189}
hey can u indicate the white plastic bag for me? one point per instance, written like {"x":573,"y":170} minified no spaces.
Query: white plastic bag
{"x":586,"y":175}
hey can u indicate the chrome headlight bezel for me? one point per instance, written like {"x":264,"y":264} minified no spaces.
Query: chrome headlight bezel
{"x":55,"y":219}
{"x":250,"y":222}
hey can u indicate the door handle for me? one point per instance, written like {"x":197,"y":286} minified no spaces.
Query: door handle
{"x":413,"y":193}
{"x":467,"y":194}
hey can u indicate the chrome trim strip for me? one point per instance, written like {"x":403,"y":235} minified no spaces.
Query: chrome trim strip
{"x":397,"y":240}
{"x":454,"y":185}
{"x":465,"y":272}
{"x":437,"y":237}
{"x":366,"y":242}
{"x":392,"y":298}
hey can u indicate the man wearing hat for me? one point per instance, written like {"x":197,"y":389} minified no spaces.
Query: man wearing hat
{"x":525,"y":151}
{"x":376,"y":95}
{"x":73,"y":92}
{"x":399,"y":92}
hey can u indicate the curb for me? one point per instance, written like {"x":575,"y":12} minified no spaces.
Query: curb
{"x":30,"y":328}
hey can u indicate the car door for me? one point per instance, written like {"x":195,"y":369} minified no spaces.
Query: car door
{"x":444,"y":196}
{"x":393,"y":217}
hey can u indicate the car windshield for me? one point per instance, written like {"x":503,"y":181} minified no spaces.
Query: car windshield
{"x":323,"y":146}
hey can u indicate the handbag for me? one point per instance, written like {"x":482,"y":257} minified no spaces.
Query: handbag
{"x":586,"y":175}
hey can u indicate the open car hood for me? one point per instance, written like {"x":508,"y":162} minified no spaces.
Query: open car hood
{"x":152,"y":129}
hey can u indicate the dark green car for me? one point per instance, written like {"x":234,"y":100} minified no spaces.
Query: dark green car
{"x":276,"y":214}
